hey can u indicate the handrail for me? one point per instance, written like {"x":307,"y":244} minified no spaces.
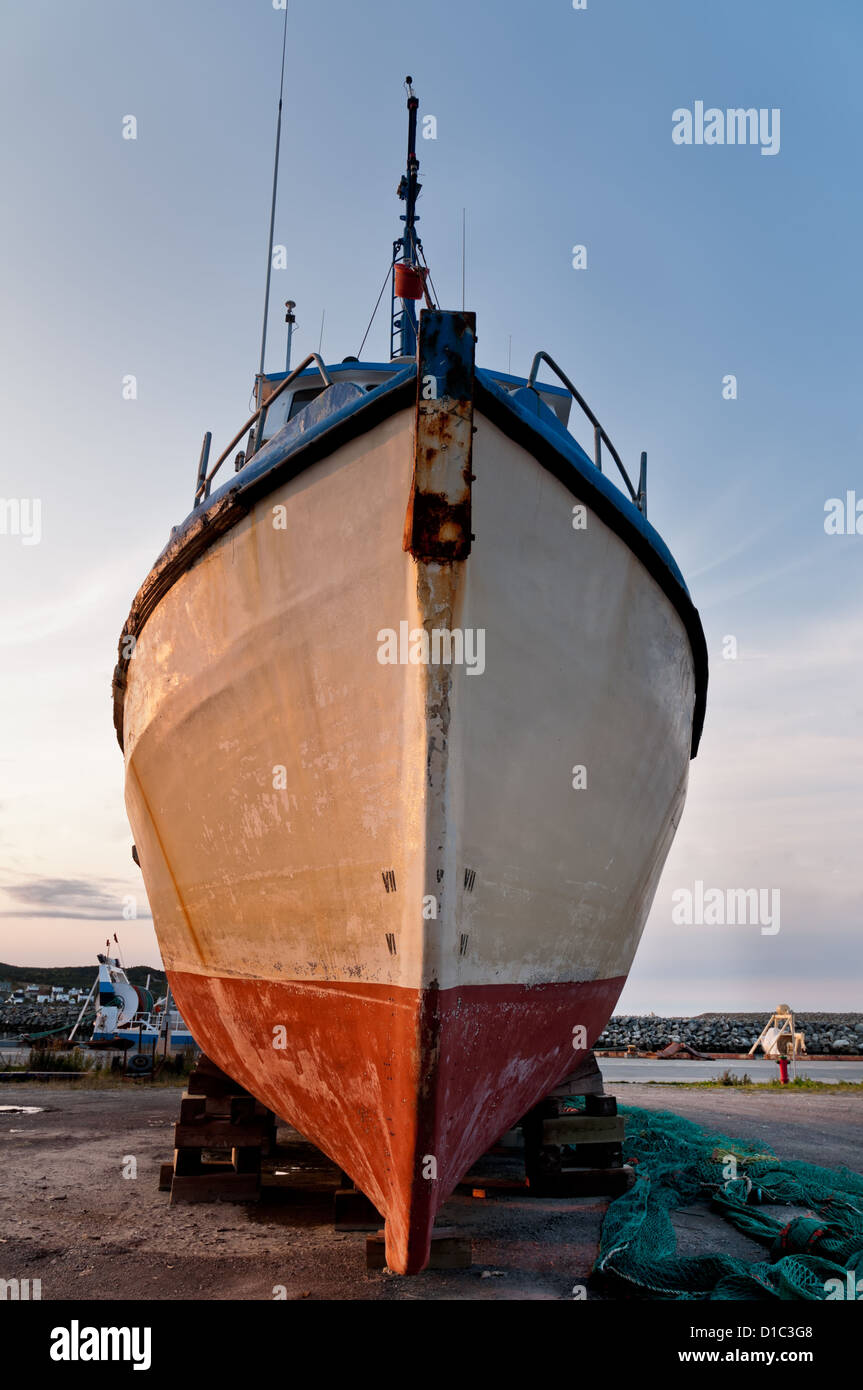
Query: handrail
{"x":202,"y":491}
{"x":638,"y":496}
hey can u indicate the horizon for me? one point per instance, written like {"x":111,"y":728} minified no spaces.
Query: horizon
{"x":618,"y":1013}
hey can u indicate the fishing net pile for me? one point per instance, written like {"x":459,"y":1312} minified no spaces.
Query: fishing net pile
{"x":677,"y":1162}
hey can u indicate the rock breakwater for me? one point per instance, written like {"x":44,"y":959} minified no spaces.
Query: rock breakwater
{"x":831,"y":1033}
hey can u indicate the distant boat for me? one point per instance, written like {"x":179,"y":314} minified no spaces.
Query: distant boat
{"x":128,"y":1016}
{"x":407,"y":708}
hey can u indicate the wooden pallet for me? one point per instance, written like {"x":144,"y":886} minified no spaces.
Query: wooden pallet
{"x":576,"y":1153}
{"x":352,"y":1209}
{"x":219,"y":1118}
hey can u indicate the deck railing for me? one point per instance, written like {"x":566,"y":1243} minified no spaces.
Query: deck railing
{"x":639,"y":495}
{"x":202,"y":490}
{"x":600,"y":436}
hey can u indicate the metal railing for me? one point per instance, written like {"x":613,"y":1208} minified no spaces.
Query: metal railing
{"x":205,"y":478}
{"x":639,"y":495}
{"x":202,"y":489}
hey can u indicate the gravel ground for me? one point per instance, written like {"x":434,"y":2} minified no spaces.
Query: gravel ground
{"x":70,"y":1218}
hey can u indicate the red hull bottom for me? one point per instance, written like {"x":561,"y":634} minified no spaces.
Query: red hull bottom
{"x":404,"y":1089}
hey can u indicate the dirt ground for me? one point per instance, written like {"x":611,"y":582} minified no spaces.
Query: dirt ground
{"x":69,"y":1216}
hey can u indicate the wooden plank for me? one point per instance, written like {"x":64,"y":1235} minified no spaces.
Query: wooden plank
{"x":208,"y":1084}
{"x":219,"y":1133}
{"x":353,"y":1211}
{"x":583,"y":1129}
{"x":215,"y":1187}
{"x":450,"y":1249}
{"x":191,"y":1107}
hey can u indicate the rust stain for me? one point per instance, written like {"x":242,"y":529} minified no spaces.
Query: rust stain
{"x":438,"y":520}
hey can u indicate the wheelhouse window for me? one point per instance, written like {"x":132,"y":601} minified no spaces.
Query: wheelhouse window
{"x":302,"y":398}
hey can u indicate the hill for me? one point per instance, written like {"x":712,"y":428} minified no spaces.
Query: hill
{"x":80,"y":976}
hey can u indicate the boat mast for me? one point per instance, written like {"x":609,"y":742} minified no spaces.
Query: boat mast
{"x":406,"y":249}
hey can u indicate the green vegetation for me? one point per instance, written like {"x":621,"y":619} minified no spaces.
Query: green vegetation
{"x":50,"y":1059}
{"x":745,"y":1083}
{"x":171,"y":1071}
{"x":805,"y":1083}
{"x":174,"y":1071}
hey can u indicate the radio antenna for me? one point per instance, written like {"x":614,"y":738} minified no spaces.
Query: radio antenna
{"x":273,"y":203}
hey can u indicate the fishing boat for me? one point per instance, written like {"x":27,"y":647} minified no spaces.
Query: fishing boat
{"x":129,"y":1018}
{"x":407,"y":707}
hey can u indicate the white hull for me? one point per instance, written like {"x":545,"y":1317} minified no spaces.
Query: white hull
{"x":265,"y":657}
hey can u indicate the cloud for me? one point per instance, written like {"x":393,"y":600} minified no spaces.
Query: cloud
{"x":74,"y":899}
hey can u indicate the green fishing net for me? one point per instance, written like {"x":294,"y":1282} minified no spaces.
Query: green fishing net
{"x":677,"y":1162}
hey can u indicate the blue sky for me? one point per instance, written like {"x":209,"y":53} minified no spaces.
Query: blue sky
{"x":147,"y":257}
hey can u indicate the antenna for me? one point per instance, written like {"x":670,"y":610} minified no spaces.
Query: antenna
{"x":273,"y":204}
{"x":408,"y":278}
